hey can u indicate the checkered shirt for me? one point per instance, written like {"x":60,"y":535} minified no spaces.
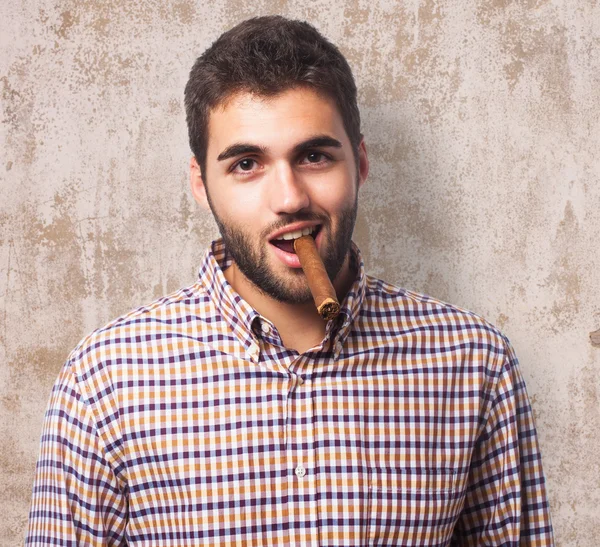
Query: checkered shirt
{"x":188,"y":422}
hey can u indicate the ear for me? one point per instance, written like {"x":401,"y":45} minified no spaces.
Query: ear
{"x":197,"y":185}
{"x":363,"y":163}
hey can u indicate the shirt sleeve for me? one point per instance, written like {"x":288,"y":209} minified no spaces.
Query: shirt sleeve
{"x":77,"y":498}
{"x":506,"y":502}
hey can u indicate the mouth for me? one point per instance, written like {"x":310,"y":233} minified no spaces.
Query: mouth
{"x":286,"y":241}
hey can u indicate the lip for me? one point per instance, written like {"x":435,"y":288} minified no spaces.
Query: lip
{"x":293,"y":228}
{"x":291,"y":259}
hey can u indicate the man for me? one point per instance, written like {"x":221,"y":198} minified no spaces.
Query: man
{"x":230,"y":413}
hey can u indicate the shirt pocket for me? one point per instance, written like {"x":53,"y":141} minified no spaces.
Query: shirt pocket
{"x":412,"y":506}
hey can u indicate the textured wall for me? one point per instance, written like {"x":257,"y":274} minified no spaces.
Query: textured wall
{"x":482,"y":122}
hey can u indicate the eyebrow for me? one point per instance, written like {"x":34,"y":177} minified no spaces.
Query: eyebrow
{"x":321,"y":141}
{"x":239,"y":148}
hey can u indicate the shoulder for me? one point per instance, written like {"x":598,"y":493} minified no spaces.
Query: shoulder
{"x":135,"y":334}
{"x":433,"y":338}
{"x":407,"y":312}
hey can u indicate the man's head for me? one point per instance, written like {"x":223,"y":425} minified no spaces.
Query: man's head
{"x":274,"y":128}
{"x":265,"y":56}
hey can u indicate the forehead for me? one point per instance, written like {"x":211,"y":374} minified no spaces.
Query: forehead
{"x":273,"y":121}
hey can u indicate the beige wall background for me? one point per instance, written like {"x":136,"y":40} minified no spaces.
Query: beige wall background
{"x":482,"y":122}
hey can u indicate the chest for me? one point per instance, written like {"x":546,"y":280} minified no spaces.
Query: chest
{"x":373,"y":455}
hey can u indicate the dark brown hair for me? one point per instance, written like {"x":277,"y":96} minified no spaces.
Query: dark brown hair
{"x":266,"y":56}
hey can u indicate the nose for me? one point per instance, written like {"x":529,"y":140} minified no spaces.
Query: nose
{"x":287,"y":192}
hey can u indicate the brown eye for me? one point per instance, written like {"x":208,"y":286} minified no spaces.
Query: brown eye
{"x":246,"y":164}
{"x":314,"y":157}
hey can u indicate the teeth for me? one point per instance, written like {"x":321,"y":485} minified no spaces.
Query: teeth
{"x":298,"y":233}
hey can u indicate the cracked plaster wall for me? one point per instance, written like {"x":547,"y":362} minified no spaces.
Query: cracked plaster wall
{"x":482,"y":122}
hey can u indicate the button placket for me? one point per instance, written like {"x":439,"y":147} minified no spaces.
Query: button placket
{"x":301,"y":449}
{"x":311,"y":439}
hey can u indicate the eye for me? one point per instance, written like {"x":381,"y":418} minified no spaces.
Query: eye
{"x":244,"y":165}
{"x":316,"y":157}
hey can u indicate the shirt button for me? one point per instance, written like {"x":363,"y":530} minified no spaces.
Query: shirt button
{"x":300,"y":380}
{"x":300,"y":471}
{"x":265,"y":328}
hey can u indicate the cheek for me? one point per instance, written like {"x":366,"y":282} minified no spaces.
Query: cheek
{"x":335,"y":200}
{"x":241,"y":204}
{"x":337,"y":191}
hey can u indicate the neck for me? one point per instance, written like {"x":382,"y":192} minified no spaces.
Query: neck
{"x":299,"y":325}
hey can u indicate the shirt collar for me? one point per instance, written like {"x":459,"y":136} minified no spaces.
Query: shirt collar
{"x":240,"y":316}
{"x":352,"y":303}
{"x":236,"y":312}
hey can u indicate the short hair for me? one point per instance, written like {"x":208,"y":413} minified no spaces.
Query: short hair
{"x":266,"y":56}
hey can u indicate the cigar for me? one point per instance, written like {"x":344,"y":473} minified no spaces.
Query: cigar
{"x":316,"y":275}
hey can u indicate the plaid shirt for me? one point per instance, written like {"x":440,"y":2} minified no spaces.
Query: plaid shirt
{"x":188,"y":422}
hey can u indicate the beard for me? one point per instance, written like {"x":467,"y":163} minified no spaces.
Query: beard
{"x":253,"y":263}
